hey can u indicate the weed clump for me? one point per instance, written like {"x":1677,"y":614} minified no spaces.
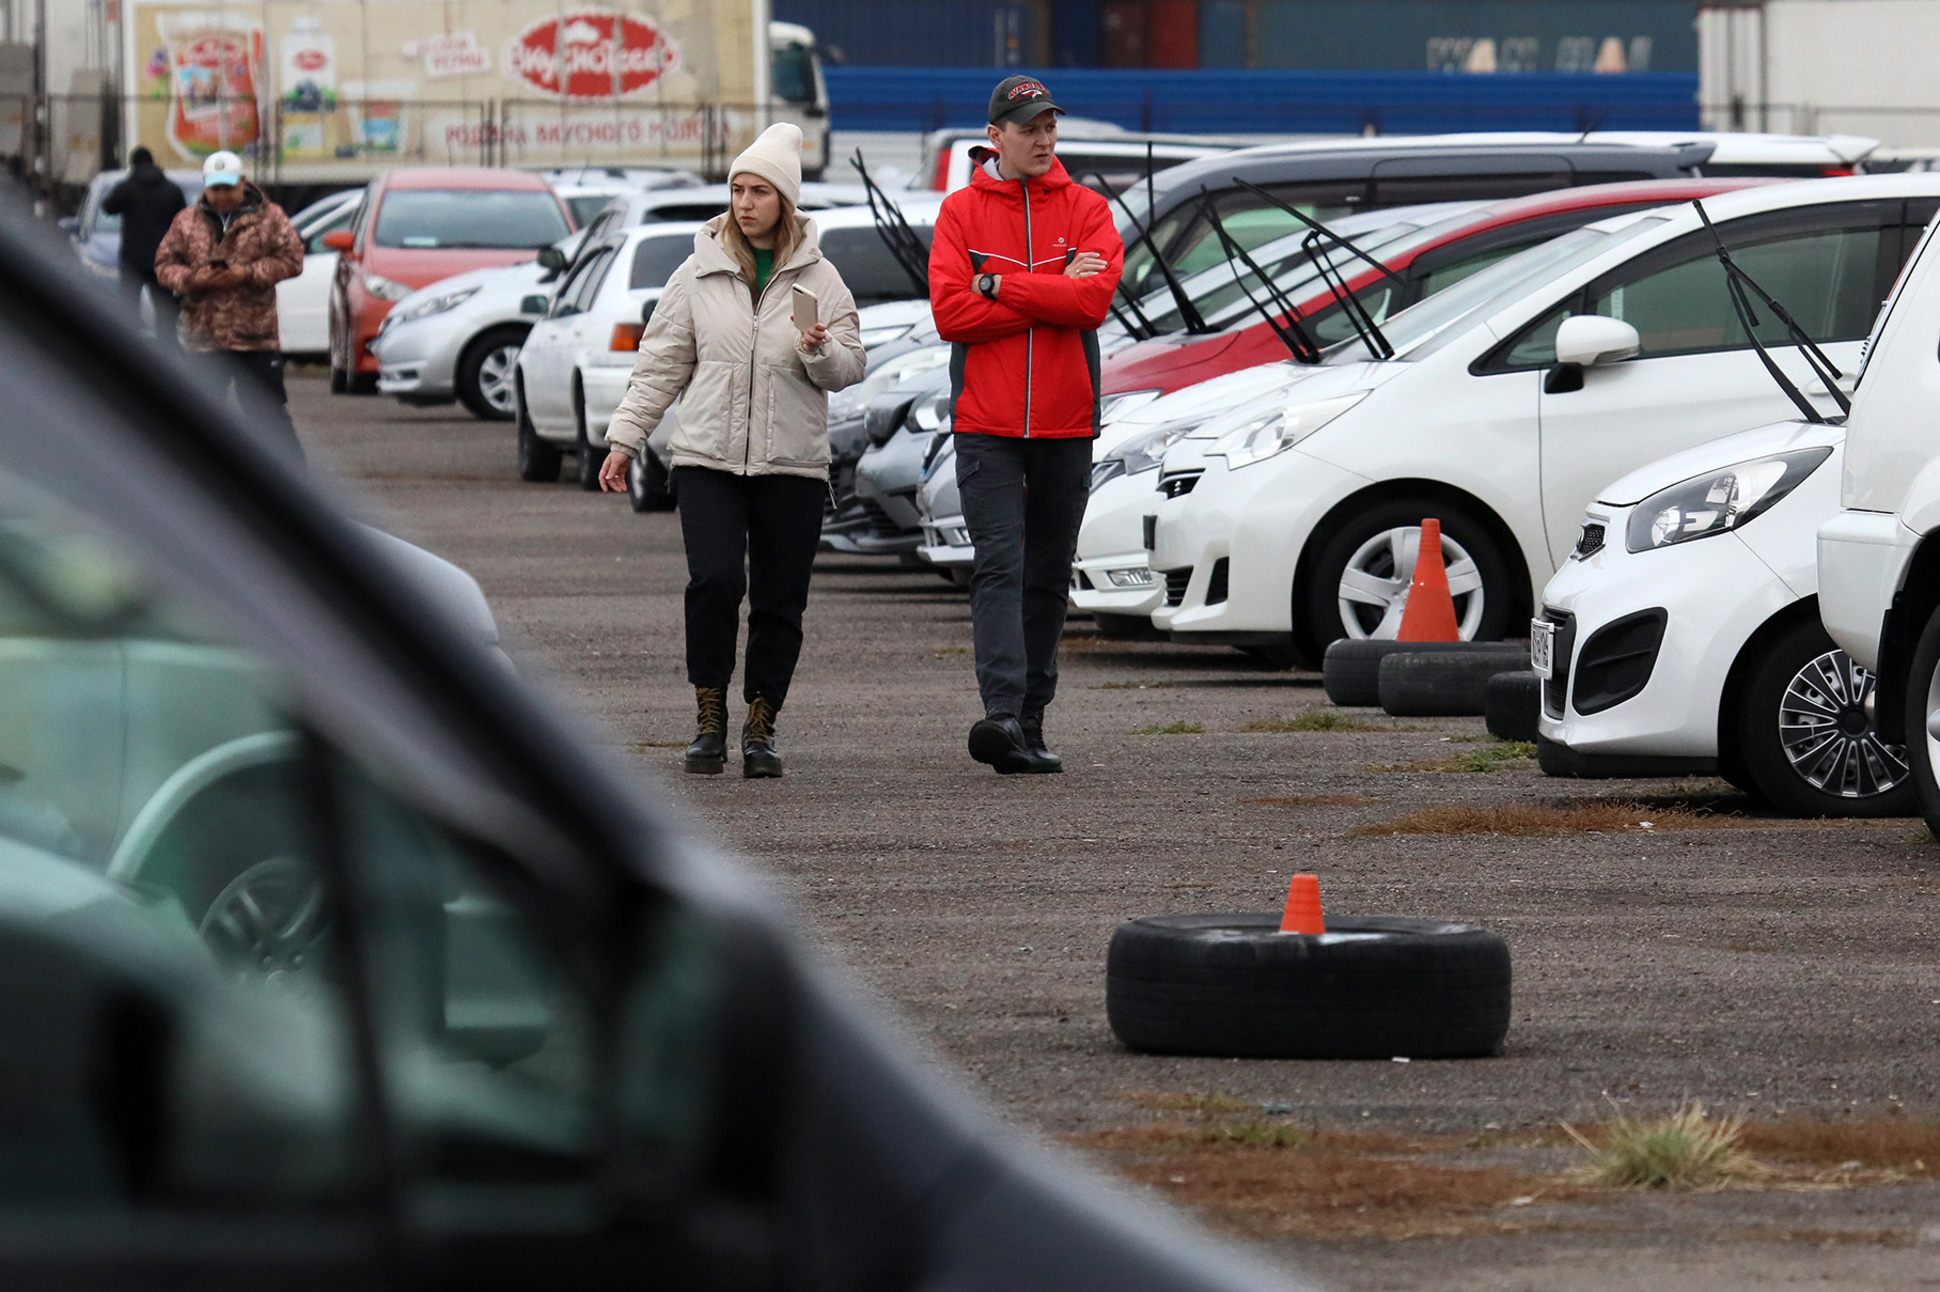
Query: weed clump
{"x":1172,"y":729}
{"x":1687,"y":1149}
{"x":1313,"y":720}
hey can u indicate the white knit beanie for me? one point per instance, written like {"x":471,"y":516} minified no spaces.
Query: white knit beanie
{"x":777,"y":157}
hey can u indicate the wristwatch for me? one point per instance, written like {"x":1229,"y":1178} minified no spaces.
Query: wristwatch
{"x":987,"y":286}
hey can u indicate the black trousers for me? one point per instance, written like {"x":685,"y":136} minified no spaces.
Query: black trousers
{"x":261,"y":371}
{"x":133,"y":283}
{"x":752,"y":536}
{"x":1023,"y":501}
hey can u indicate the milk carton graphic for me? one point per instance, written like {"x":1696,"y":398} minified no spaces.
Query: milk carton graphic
{"x":307,"y":87}
{"x":214,"y":61}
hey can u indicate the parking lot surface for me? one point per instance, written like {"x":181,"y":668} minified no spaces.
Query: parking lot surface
{"x":1670,"y":941}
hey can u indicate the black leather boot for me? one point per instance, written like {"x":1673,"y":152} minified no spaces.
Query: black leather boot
{"x":1040,"y":756}
{"x":707,"y":756}
{"x":758,"y":756}
{"x":999,"y":741}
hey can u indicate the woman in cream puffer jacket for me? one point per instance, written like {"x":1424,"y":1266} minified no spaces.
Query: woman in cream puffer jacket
{"x":751,"y":453}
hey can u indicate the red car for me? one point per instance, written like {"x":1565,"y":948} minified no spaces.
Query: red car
{"x":1426,"y":258}
{"x":417,"y":227}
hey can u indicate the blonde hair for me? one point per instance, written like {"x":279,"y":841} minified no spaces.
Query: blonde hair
{"x":788,"y":236}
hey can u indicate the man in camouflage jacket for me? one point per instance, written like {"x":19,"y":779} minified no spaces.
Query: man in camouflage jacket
{"x":224,"y":256}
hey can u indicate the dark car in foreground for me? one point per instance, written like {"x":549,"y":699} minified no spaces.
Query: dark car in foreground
{"x":416,"y":987}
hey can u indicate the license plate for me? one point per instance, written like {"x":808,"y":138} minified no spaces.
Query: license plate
{"x":1151,"y":533}
{"x":1542,"y":643}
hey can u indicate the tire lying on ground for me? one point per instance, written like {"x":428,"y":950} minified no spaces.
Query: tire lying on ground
{"x":1351,"y":670}
{"x":1511,"y":705}
{"x":1416,"y":684}
{"x":1371,"y":987}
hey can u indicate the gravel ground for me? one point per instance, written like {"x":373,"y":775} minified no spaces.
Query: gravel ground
{"x":1773,"y":967}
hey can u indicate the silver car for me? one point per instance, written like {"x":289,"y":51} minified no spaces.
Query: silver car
{"x":459,"y":338}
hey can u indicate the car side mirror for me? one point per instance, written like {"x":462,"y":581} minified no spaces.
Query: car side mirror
{"x":535,"y":303}
{"x":1588,"y":340}
{"x":340,"y":240}
{"x":71,"y":225}
{"x":552,"y":258}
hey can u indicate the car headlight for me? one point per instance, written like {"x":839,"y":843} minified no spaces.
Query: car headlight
{"x":875,"y":336}
{"x":1268,"y":433}
{"x":384,"y":289}
{"x":1142,"y":452}
{"x":1719,"y":501}
{"x":1124,"y":402}
{"x":431,"y":304}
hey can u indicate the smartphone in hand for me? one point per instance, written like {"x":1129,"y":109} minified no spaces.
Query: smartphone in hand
{"x":805,"y":309}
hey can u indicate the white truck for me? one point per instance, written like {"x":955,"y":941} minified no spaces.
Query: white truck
{"x":334,"y":91}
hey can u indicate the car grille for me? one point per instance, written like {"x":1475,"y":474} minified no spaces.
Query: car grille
{"x":1616,"y":663}
{"x":1590,"y":541}
{"x":880,"y":522}
{"x":1179,"y":485}
{"x":1176,"y":582}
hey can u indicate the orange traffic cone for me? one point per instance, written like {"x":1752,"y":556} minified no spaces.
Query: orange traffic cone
{"x":1429,"y":615}
{"x":1303,"y":906}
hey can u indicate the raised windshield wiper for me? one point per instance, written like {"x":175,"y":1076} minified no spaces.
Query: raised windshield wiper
{"x":1188,"y":314}
{"x":1138,"y":325}
{"x":1357,"y":315}
{"x":1738,"y":283}
{"x":1299,"y":343}
{"x":904,"y":246}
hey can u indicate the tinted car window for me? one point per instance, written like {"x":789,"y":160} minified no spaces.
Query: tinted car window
{"x":863,"y":259}
{"x":655,"y":259}
{"x":792,"y":74}
{"x":1191,"y":245}
{"x":574,"y":290}
{"x":432,"y":218}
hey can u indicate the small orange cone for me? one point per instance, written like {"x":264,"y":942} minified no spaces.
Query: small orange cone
{"x":1429,"y":615}
{"x":1303,"y":906}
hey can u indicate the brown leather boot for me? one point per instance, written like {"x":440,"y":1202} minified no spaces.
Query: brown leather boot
{"x":707,"y":756}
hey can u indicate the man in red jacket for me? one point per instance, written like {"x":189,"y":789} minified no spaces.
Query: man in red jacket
{"x":1023,"y":264}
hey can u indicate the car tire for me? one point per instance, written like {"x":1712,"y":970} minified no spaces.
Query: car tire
{"x":1445,"y":684}
{"x":1350,"y":672}
{"x":1512,"y":706}
{"x":1371,"y":987}
{"x":1804,"y":735}
{"x":339,"y":380}
{"x":538,"y":461}
{"x":363,"y":383}
{"x":586,"y":460}
{"x":1365,"y":541}
{"x":485,"y":372}
{"x":647,"y":485}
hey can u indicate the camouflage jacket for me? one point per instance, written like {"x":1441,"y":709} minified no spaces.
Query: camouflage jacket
{"x":260,"y":241}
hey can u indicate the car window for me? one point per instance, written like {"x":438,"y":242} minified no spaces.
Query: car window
{"x":435,"y":218}
{"x":587,"y":206}
{"x":1405,"y":190}
{"x":792,"y":74}
{"x":863,"y":259}
{"x":1446,"y":275}
{"x":577,"y":293}
{"x":655,"y":259}
{"x":313,"y":237}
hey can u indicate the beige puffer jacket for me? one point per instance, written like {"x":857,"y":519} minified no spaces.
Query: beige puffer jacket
{"x":755,"y":405}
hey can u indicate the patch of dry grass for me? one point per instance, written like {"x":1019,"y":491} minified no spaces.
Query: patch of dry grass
{"x":1683,"y":1150}
{"x":1315,"y":720}
{"x":1905,"y":1144}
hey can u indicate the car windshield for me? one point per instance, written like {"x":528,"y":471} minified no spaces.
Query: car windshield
{"x":1423,"y":328}
{"x":1220,"y":295}
{"x":482,"y":218}
{"x":585,"y":206}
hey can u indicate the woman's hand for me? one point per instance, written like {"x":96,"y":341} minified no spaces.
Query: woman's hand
{"x":812,"y":339}
{"x":613,"y":471}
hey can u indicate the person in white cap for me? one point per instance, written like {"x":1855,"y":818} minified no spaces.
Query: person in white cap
{"x":224,"y":256}
{"x":751,"y":453}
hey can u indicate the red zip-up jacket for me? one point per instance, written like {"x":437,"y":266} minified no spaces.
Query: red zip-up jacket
{"x":1025,"y":364}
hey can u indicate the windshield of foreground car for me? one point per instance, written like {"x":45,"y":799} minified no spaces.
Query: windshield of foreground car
{"x":436,"y":218}
{"x":1422,"y":329}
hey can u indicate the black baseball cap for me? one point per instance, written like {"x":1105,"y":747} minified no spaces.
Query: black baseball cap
{"x":1018,"y":99}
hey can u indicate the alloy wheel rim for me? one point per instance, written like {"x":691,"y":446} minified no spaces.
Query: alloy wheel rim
{"x":495,"y":377}
{"x":1373,"y":590}
{"x":1828,"y":736}
{"x":267,"y":924}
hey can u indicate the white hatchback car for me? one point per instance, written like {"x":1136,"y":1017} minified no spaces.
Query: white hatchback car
{"x":303,"y":302}
{"x":1510,"y":399}
{"x":1685,"y":634}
